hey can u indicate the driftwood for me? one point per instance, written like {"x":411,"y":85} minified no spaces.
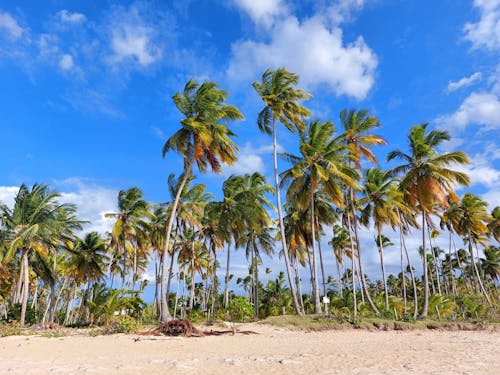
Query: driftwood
{"x":183,"y":327}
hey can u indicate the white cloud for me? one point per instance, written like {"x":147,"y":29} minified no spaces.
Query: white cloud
{"x":10,"y":26}
{"x":66,"y":16}
{"x":479,"y":108}
{"x":342,"y":10}
{"x":313,"y":50}
{"x":92,"y":201}
{"x":486,"y":32}
{"x":7,"y":195}
{"x":464,"y":82}
{"x":481,"y":170}
{"x":262,"y":12}
{"x":251,"y":159}
{"x":133,"y":42}
{"x":66,"y":62}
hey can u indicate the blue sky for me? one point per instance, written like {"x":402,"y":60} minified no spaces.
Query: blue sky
{"x":85,"y":98}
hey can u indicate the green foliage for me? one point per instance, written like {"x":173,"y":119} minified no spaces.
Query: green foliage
{"x":240,"y":310}
{"x":196,"y":316}
{"x":10,"y":329}
{"x":33,"y":316}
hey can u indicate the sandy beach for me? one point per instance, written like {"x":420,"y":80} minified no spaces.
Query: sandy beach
{"x":272,"y":351}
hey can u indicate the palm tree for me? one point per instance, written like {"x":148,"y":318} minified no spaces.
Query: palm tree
{"x":340,"y":244}
{"x":381,"y":202}
{"x":491,"y":262}
{"x":356,"y":125}
{"x":281,"y":98}
{"x":471,"y":223}
{"x":494,"y":224}
{"x":128,"y":230}
{"x":321,"y":167}
{"x":257,"y":232}
{"x":30,"y":225}
{"x":203,"y":138}
{"x":426,"y":180}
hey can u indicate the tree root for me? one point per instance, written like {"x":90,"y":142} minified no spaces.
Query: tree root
{"x":183,"y":327}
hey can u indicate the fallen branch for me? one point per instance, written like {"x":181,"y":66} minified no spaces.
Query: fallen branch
{"x":183,"y":327}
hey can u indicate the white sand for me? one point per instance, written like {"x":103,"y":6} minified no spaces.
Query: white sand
{"x":273,"y":351}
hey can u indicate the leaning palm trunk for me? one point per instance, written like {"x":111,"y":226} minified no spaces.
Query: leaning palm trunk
{"x":317,"y":304}
{"x":360,"y":262}
{"x":297,"y":281}
{"x":476,"y":271}
{"x":436,"y":261}
{"x":296,"y":306}
{"x":165,"y":314}
{"x":381,"y":254}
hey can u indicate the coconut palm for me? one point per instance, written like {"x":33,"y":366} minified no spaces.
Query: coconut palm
{"x":491,"y":262}
{"x":357,"y":126}
{"x":321,"y":167}
{"x":381,"y":202}
{"x":426,"y":179}
{"x":471,"y":222}
{"x":128,"y":234}
{"x":30,"y":226}
{"x":203,"y":138}
{"x":494,"y":224}
{"x":281,"y":98}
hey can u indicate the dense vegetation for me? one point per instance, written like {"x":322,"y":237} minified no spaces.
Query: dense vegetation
{"x":50,"y":272}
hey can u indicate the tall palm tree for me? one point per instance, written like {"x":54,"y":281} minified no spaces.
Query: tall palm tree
{"x":257,"y":232}
{"x":203,"y":138}
{"x":426,"y":179}
{"x":357,"y":125}
{"x":494,"y":224}
{"x":321,"y":167}
{"x":128,"y":230}
{"x":471,"y":223}
{"x":30,"y":225}
{"x":381,"y":202}
{"x":281,"y":98}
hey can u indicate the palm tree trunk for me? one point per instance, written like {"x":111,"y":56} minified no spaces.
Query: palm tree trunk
{"x":25,"y":292}
{"x":71,"y":296}
{"x":191,"y":291}
{"x":360,"y":262}
{"x":339,"y":278}
{"x":403,"y":278}
{"x":425,"y":307}
{"x":479,"y":281}
{"x":412,"y":275}
{"x":353,"y":268}
{"x":282,"y":225}
{"x":214,"y":284}
{"x":436,"y":261}
{"x":165,"y":314}
{"x":381,"y":253}
{"x":226,"y":279}
{"x":297,"y":280}
{"x":314,"y":275}
{"x":321,"y":264}
{"x":256,"y":286}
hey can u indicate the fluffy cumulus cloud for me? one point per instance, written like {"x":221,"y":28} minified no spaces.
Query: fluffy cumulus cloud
{"x":486,"y":32}
{"x":312,"y":49}
{"x":92,"y":201}
{"x":479,"y":108}
{"x":464,"y":82}
{"x":10,"y":27}
{"x":132,"y":38}
{"x":262,"y":12}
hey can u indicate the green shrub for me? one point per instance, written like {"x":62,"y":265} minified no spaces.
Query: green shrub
{"x":240,"y":310}
{"x":10,"y":329}
{"x":122,"y":324}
